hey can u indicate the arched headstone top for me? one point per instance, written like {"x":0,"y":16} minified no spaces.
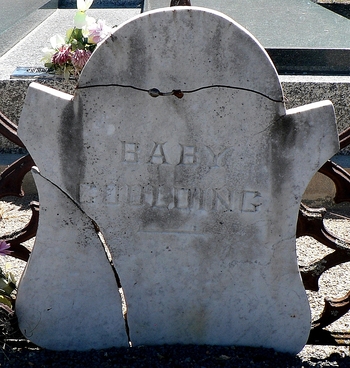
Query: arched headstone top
{"x":183,"y":48}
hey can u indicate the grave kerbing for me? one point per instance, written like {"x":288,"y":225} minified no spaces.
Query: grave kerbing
{"x":197,"y":197}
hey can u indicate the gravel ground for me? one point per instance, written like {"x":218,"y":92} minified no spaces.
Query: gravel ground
{"x":15,"y":213}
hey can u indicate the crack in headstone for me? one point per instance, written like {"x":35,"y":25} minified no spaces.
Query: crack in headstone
{"x":117,"y":278}
{"x":155,"y":92}
{"x":106,"y":252}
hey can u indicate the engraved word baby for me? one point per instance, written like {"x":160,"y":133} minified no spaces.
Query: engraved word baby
{"x":178,"y":154}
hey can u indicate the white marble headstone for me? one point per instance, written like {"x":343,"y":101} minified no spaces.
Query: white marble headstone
{"x":197,"y":197}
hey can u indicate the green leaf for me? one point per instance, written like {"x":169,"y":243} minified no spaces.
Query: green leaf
{"x":5,"y":301}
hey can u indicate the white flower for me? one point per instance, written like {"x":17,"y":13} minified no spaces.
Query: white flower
{"x":48,"y":53}
{"x":84,"y":5}
{"x":57,"y":41}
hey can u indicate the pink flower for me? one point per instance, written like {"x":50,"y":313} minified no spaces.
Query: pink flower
{"x":98,"y":31}
{"x":80,"y":58}
{"x":4,"y":248}
{"x":62,"y":56}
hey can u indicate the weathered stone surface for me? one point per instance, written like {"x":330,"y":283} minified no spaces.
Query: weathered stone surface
{"x":197,"y":197}
{"x":68,"y":290}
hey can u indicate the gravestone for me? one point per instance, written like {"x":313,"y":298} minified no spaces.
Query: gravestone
{"x":180,"y":152}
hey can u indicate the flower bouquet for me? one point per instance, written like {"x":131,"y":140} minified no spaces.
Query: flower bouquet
{"x":68,"y":55}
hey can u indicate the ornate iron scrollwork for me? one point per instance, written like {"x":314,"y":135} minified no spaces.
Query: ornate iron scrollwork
{"x":311,"y":223}
{"x":11,"y":185}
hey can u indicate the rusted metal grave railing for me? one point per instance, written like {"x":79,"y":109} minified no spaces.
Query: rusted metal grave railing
{"x":11,"y":185}
{"x":310,"y":223}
